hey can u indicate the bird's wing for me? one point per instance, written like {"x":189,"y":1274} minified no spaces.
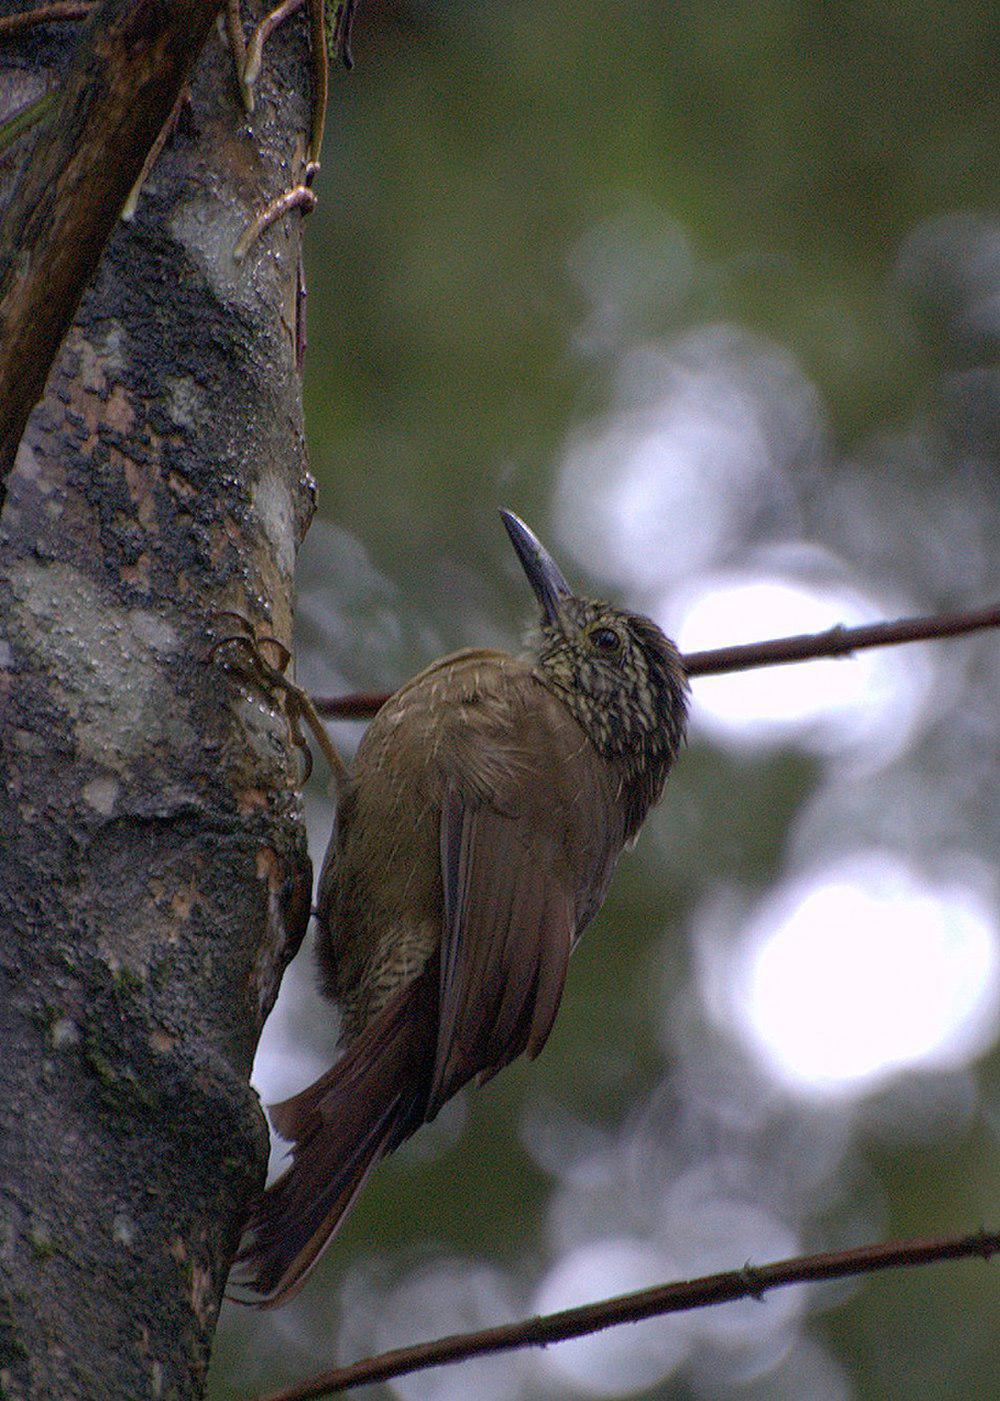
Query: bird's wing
{"x":507,"y":932}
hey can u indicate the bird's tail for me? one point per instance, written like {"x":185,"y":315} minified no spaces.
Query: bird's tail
{"x":339,"y":1128}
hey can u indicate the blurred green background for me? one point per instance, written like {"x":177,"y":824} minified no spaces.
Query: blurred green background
{"x":710,"y":294}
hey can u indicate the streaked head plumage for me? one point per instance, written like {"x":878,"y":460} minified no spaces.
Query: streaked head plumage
{"x":617,"y":672}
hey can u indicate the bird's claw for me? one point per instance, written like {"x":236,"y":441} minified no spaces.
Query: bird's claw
{"x":246,"y":643}
{"x":247,"y":659}
{"x":249,"y":57}
{"x":297,"y":197}
{"x":248,"y":640}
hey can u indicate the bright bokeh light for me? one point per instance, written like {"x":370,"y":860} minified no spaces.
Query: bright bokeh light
{"x":871,"y":699}
{"x":635,"y":270}
{"x":451,"y":1296}
{"x":617,"y":1361}
{"x":866,"y":970}
{"x":387,"y":1301}
{"x":701,"y":439}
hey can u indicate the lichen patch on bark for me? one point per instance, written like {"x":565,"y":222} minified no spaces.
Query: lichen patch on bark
{"x":104,"y":661}
{"x":275,"y":510}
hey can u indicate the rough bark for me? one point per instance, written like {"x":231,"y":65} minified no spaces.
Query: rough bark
{"x":153,"y":873}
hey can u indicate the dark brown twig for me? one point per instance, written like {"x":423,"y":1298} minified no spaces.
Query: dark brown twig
{"x":12,"y":25}
{"x":361,"y":705}
{"x":835,"y":642}
{"x":839,"y":641}
{"x":343,"y":33}
{"x":750,"y":1282}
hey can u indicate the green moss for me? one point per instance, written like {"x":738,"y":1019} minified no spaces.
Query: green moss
{"x":160,"y":974}
{"x":44,"y":1246}
{"x":126,"y":980}
{"x":11,"y":1348}
{"x":122,"y":1090}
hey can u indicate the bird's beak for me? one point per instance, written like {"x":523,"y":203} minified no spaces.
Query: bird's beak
{"x":544,"y":575}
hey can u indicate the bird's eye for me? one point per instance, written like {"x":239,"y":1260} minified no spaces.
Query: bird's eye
{"x":606,"y":640}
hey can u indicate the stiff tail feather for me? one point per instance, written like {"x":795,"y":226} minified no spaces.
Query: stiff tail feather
{"x":340,"y":1128}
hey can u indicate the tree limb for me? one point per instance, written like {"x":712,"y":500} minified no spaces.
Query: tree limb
{"x":839,"y":641}
{"x":131,"y":61}
{"x":750,"y":1282}
{"x":835,"y":642}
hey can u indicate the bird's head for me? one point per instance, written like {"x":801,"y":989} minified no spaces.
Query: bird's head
{"x":621,"y":677}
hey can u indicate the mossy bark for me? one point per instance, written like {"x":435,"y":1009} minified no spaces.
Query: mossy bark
{"x":154,"y":880}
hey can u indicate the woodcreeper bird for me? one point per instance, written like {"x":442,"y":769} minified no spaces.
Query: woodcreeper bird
{"x":475,"y":839}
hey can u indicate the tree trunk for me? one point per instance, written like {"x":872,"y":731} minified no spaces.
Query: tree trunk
{"x":154,"y":880}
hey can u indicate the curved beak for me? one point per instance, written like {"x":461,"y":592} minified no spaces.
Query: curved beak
{"x":544,"y":575}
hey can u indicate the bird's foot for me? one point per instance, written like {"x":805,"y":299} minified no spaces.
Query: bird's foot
{"x":248,"y":59}
{"x":244,"y":652}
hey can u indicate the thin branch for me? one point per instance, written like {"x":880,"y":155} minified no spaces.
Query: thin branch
{"x":835,"y":642}
{"x":59,"y":10}
{"x":750,"y":1282}
{"x":361,"y":705}
{"x":131,"y":61}
{"x":839,"y":641}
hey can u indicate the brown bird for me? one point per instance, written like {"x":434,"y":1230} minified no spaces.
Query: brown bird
{"x":475,"y":840}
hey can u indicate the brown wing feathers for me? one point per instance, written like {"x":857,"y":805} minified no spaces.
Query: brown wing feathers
{"x":340,"y":1128}
{"x":504,"y":948}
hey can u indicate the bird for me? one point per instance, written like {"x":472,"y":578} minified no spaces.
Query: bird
{"x":475,"y":838}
